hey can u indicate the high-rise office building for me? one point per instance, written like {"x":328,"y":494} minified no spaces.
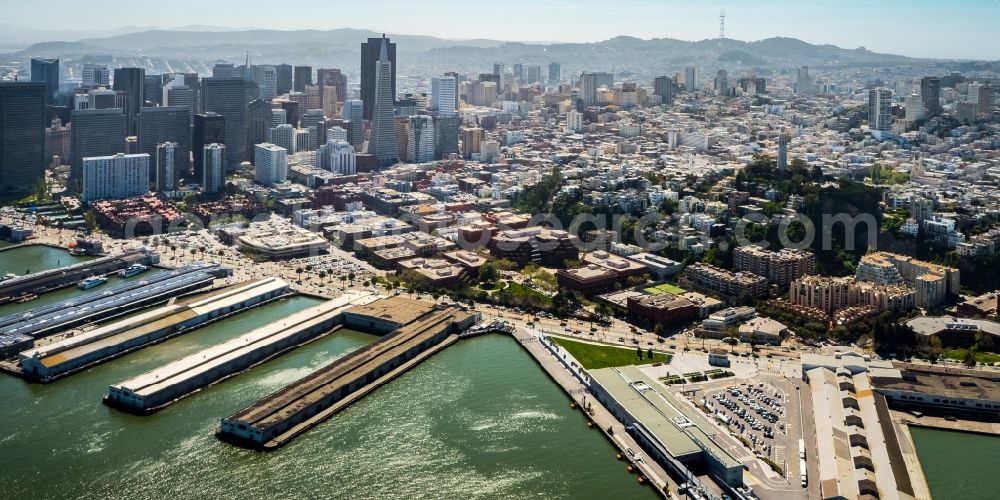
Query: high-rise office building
{"x":588,"y":89}
{"x":985,"y":101}
{"x":337,"y":156}
{"x":259,"y":117}
{"x":803,"y":82}
{"x":722,"y":82}
{"x":303,"y":77}
{"x":382,"y":142}
{"x":95,"y":75}
{"x":95,"y":132}
{"x":226,"y":70}
{"x":166,"y":124}
{"x":353,"y":112}
{"x":131,"y":82}
{"x":214,"y":170}
{"x":532,"y":74}
{"x":337,"y":134}
{"x":371,"y":54}
{"x":443,"y":95}
{"x":880,"y":109}
{"x":208,"y":128}
{"x":167,"y":168}
{"x":152,"y":90}
{"x":914,"y":104}
{"x":98,"y":98}
{"x":115,"y":176}
{"x":284,"y":72}
{"x":231,"y":98}
{"x":663,"y":87}
{"x":266,"y":78}
{"x":471,"y":139}
{"x":333,"y":77}
{"x":22,"y":134}
{"x":47,"y":72}
{"x":555,"y":73}
{"x":446,"y":131}
{"x":283,"y":136}
{"x":930,"y":92}
{"x":57,"y":143}
{"x":421,"y":143}
{"x":690,"y":79}
{"x":518,"y":70}
{"x":270,"y":164}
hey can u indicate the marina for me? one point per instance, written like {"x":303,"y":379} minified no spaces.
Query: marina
{"x":59,"y":268}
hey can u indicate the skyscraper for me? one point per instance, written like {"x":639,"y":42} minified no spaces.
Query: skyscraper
{"x":22,"y":134}
{"x":95,"y":75}
{"x":332,"y":77}
{"x":95,"y":132}
{"x":382,"y":143}
{"x":337,"y":156}
{"x":47,"y":72}
{"x":284,"y":78}
{"x":303,"y":77}
{"x":209,"y":128}
{"x":518,"y":70}
{"x":420,"y":144}
{"x":214,"y":171}
{"x":131,"y":81}
{"x":270,"y":164}
{"x":166,"y":124}
{"x":803,"y":82}
{"x":690,"y":79}
{"x":532,"y":74}
{"x":353,"y":112}
{"x":282,"y":136}
{"x":167,"y":170}
{"x":231,"y":98}
{"x":56,"y":143}
{"x":115,"y":176}
{"x":588,"y":89}
{"x":555,"y":73}
{"x":880,"y":109}
{"x":443,"y":95}
{"x":722,"y":82}
{"x":930,"y":92}
{"x":446,"y":129}
{"x":266,"y":78}
{"x":371,"y":54}
{"x":258,"y":121}
{"x":152,"y":90}
{"x":663,"y":87}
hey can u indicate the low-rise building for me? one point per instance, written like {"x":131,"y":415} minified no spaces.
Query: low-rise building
{"x":589,"y":280}
{"x":732,"y":285}
{"x":663,"y":309}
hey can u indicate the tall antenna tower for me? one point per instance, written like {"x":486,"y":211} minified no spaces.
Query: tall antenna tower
{"x":722,"y":23}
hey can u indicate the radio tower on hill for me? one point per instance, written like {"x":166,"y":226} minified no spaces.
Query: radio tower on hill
{"x":722,"y":24}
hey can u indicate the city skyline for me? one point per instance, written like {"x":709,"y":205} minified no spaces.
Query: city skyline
{"x":895,"y":26}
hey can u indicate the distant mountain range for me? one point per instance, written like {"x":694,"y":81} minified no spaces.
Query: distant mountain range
{"x":421,"y":54}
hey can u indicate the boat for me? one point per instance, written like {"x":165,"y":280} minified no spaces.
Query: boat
{"x":132,"y":270}
{"x":25,"y":298}
{"x":91,"y":282}
{"x":8,"y":276}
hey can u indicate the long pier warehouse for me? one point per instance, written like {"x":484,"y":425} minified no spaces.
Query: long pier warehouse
{"x":282,"y":415}
{"x":107,"y":341}
{"x":44,"y":281}
{"x":157,"y":388}
{"x":114,"y":301}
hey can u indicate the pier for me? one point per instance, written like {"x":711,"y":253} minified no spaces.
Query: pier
{"x":110,"y":302}
{"x":44,"y":281}
{"x":158,"y":388}
{"x":277,"y":418}
{"x":45,"y":364}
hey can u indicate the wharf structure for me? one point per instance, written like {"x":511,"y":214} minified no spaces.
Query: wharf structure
{"x":158,"y":388}
{"x":669,"y":431}
{"x":44,"y":281}
{"x":110,"y":302}
{"x":108,"y":341}
{"x":277,"y":418}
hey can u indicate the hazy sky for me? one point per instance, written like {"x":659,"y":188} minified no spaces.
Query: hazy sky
{"x":921,"y":28}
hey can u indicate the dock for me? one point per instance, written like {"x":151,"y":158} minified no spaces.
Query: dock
{"x":52,"y":279}
{"x":155,"y":389}
{"x":277,"y":418}
{"x":110,"y":302}
{"x":48,"y":363}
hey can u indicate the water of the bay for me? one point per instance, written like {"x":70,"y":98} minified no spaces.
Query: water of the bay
{"x":957,"y":465}
{"x":479,"y":420}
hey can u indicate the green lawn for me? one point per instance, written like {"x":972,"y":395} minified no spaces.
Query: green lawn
{"x":981,"y":356}
{"x":598,"y":356}
{"x":665,"y":288}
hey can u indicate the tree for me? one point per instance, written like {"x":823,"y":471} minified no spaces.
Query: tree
{"x":649,"y":353}
{"x":969,"y":359}
{"x":658,"y":329}
{"x":638,"y":352}
{"x":488,"y":273}
{"x":298,"y":271}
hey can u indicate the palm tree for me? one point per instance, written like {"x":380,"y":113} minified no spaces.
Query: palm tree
{"x":298,"y":271}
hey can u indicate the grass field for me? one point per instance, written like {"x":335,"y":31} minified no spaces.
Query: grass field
{"x":598,"y":356}
{"x":665,"y":288}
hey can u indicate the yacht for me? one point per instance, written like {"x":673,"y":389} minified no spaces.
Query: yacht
{"x":132,"y":270}
{"x":91,"y":282}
